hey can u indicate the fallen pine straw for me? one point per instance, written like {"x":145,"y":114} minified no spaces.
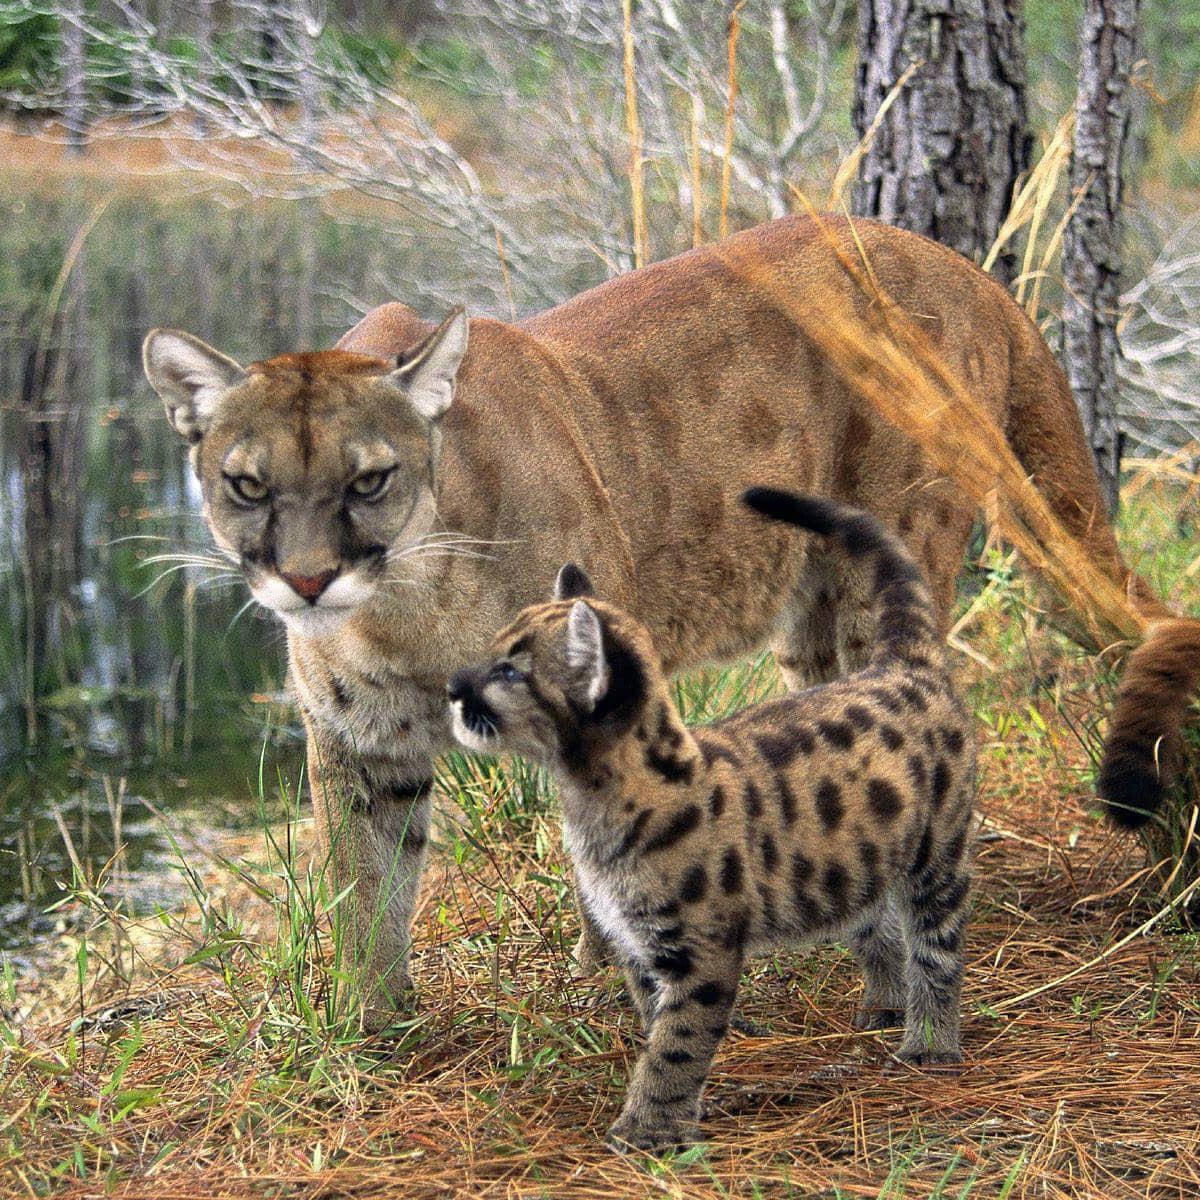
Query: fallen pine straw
{"x":504,"y":1084}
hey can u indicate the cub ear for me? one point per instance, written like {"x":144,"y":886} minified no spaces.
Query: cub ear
{"x":190,"y":376}
{"x":427,"y":377}
{"x":585,"y":653}
{"x":572,"y":581}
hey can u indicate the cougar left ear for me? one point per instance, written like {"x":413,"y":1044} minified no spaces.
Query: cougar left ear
{"x":585,"y":652}
{"x":572,"y":581}
{"x":427,"y":377}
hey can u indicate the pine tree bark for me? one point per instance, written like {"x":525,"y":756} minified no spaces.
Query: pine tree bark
{"x":1092,"y":238}
{"x":946,"y":156}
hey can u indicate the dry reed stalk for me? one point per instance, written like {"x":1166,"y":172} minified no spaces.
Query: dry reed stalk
{"x":735,"y":29}
{"x":697,"y":197}
{"x":512,"y":308}
{"x":633,"y":124}
{"x":849,"y":166}
{"x":884,"y":356}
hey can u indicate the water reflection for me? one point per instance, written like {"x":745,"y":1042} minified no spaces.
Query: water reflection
{"x":121,"y":678}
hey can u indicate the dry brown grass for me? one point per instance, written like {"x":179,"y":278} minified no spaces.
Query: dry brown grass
{"x":506,"y":1081}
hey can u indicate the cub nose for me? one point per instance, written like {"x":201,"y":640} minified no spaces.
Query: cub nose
{"x":309,"y":586}
{"x":459,"y":687}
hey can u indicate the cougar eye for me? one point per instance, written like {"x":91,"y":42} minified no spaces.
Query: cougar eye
{"x":247,"y":489}
{"x":506,"y":673}
{"x":370,"y":484}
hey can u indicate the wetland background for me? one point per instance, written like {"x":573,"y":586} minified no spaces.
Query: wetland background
{"x":125,"y":675}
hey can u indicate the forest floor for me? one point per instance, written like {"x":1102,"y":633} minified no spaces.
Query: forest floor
{"x":196,"y":1053}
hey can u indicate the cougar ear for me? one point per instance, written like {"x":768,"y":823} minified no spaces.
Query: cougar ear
{"x":190,"y":376}
{"x":572,"y":581}
{"x":585,"y":652}
{"x":427,"y":376}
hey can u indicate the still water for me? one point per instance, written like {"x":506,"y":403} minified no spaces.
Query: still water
{"x":126,"y":682}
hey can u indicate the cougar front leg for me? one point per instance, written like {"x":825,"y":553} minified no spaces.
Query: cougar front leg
{"x":373,"y":826}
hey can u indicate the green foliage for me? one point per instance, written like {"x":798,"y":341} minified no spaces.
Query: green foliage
{"x":29,"y":46}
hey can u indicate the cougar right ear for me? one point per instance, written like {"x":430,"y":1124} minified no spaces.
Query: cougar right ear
{"x":572,"y":582}
{"x":190,"y":376}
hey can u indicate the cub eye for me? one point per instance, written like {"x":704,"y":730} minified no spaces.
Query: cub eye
{"x":506,"y":673}
{"x":247,"y":489}
{"x":370,"y":484}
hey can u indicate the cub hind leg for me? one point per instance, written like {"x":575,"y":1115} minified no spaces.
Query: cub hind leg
{"x":878,"y":945}
{"x":934,"y":909}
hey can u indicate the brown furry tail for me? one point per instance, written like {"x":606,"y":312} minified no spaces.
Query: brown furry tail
{"x":1144,"y":748}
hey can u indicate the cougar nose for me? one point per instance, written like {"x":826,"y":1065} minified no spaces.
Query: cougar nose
{"x":310,"y":586}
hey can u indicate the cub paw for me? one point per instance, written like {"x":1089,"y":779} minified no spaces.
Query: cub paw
{"x":383,"y":1010}
{"x":941,"y":1062}
{"x":868,"y":1019}
{"x":591,"y":954}
{"x":655,"y":1134}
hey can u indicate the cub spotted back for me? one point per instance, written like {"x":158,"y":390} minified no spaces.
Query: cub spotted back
{"x":841,"y":811}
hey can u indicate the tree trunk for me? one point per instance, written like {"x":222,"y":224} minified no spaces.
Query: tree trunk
{"x":946,"y":156}
{"x":74,"y":76}
{"x":1092,"y":239}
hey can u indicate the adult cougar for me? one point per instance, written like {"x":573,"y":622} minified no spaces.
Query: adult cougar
{"x":399,"y":498}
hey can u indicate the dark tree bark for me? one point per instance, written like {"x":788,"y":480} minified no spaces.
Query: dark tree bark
{"x":947,"y":155}
{"x":1092,"y":238}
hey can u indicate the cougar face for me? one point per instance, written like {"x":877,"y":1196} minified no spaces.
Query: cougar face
{"x":316,"y":469}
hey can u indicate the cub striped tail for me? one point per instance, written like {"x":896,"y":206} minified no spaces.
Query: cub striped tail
{"x":907,"y":624}
{"x":1144,"y":747}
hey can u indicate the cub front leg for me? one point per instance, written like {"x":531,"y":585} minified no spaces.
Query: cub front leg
{"x":662,"y":1105}
{"x":373,"y":828}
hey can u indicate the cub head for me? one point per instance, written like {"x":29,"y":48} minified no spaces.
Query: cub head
{"x":563,"y":675}
{"x":316,"y":469}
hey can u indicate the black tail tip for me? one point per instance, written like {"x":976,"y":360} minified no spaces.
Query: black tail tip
{"x":808,"y":512}
{"x":1131,"y":794}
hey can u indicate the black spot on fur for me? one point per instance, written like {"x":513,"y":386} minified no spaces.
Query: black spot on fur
{"x":734,"y":937}
{"x":677,"y":1057}
{"x":716,"y":802}
{"x":770,"y":852}
{"x":679,"y":826}
{"x":406,"y":791}
{"x":731,"y":872}
{"x":921,"y":858}
{"x":888,"y":699}
{"x":835,"y":882}
{"x":340,"y":696}
{"x":919,"y":775}
{"x":952,"y":739}
{"x":694,"y":886}
{"x":838,"y":734}
{"x":714,"y":751}
{"x":675,"y":963}
{"x":802,"y":869}
{"x":669,"y":765}
{"x":632,"y":834}
{"x":710,"y":993}
{"x":829,"y":805}
{"x":780,"y":749}
{"x":914,"y":697}
{"x":884,"y":799}
{"x":941,"y":783}
{"x":787,"y":801}
{"x":891,"y":737}
{"x":752,"y":800}
{"x":859,"y":717}
{"x":868,"y":855}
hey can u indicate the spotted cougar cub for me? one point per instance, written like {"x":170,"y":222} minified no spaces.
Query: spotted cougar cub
{"x":841,"y":811}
